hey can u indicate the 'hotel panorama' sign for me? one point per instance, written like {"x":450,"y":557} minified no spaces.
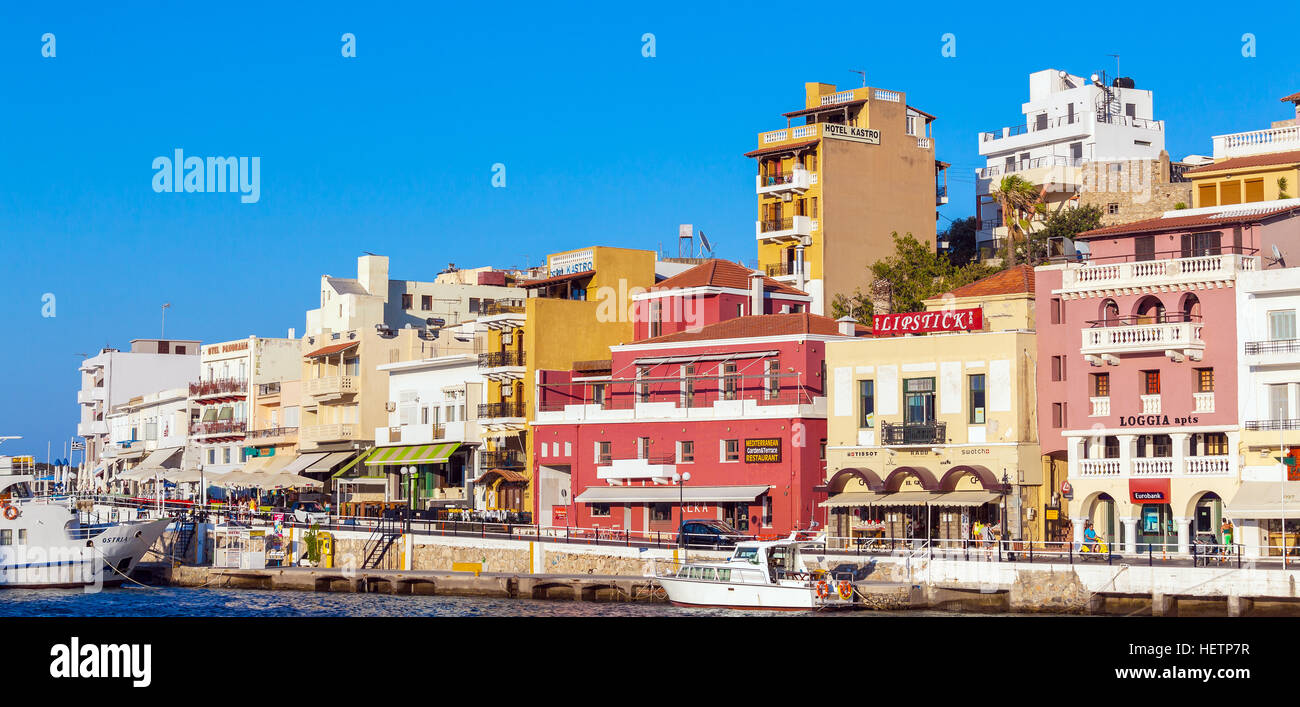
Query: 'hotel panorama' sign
{"x":921,"y":322}
{"x":848,"y":132}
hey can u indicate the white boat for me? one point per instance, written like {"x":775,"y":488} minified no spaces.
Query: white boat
{"x":44,"y":544}
{"x":781,"y":575}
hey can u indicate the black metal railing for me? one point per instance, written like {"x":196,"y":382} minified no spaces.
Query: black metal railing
{"x":914,"y":432}
{"x":268,"y":388}
{"x":496,"y":359}
{"x":500,"y":410}
{"x":503,"y":459}
{"x":1273,"y":425}
{"x":1275,"y":346}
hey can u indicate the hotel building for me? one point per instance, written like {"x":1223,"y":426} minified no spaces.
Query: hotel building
{"x":832,"y":191}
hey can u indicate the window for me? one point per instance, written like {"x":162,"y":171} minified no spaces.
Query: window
{"x":911,"y":124}
{"x":408,"y":301}
{"x":1206,"y":195}
{"x":599,"y":510}
{"x":767,"y":511}
{"x":1040,"y":121}
{"x":598,"y":394}
{"x":6,"y":537}
{"x":1056,"y":310}
{"x":602,"y":453}
{"x":1058,"y":415}
{"x":918,"y":400}
{"x":151,"y":431}
{"x":731,"y":450}
{"x":474,"y":304}
{"x":426,"y":302}
{"x":642,"y":447}
{"x":1144,"y":248}
{"x":661,"y":512}
{"x":22,"y":536}
{"x":686,"y":451}
{"x":1058,"y":368}
{"x":1212,"y":444}
{"x":352,"y":366}
{"x":1150,"y":382}
{"x":813,"y":201}
{"x":1279,"y":403}
{"x":866,"y":404}
{"x":1230,"y":192}
{"x":1205,"y":380}
{"x":729,"y":381}
{"x":212,"y":455}
{"x":1130,"y":110}
{"x":1197,"y":244}
{"x":656,"y":316}
{"x":1281,"y":325}
{"x":1155,"y":446}
{"x":773,"y":388}
{"x":1112,"y":208}
{"x":225,"y":453}
{"x":1111,"y":447}
{"x":1254,"y":190}
{"x":180,"y":350}
{"x":1101,"y":385}
{"x":976,"y":399}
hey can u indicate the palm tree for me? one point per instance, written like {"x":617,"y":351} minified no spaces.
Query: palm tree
{"x":1019,"y":200}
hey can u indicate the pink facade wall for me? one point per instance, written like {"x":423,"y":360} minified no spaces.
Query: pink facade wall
{"x":679,"y":313}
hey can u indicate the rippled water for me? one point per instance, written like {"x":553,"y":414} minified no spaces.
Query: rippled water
{"x":170,"y":601}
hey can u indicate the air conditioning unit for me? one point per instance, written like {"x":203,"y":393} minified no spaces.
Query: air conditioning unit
{"x":390,"y":407}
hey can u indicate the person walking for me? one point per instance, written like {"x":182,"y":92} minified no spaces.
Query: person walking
{"x":1226,"y":529}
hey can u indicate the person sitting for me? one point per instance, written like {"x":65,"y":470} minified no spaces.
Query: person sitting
{"x":1090,"y":537}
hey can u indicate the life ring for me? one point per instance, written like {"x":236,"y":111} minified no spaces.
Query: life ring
{"x":845,"y":589}
{"x":823,"y":589}
{"x":11,"y":512}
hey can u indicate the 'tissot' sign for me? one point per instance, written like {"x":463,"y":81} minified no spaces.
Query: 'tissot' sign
{"x":922,"y":322}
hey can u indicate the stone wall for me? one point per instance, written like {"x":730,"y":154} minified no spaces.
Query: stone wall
{"x":1141,"y":189}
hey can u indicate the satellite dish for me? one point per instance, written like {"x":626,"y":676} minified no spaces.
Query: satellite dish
{"x":1277,"y":256}
{"x":705,"y":244}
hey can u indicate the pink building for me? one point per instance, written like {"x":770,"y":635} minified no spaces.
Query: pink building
{"x":1137,"y":381}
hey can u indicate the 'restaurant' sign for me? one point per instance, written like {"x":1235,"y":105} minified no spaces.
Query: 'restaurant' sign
{"x":763,"y":451}
{"x":922,"y":322}
{"x":848,"y":132}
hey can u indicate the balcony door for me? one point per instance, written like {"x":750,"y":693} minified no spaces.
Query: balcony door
{"x":918,"y":401}
{"x":1144,"y":248}
{"x":1197,"y":244}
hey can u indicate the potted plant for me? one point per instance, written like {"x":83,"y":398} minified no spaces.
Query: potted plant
{"x":312,"y":538}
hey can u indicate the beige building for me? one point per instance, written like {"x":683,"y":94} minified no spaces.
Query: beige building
{"x":936,"y":430}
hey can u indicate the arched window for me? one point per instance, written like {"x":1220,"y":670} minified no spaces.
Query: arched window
{"x":1109,"y":313}
{"x":1191,"y":308}
{"x":1150,"y":310}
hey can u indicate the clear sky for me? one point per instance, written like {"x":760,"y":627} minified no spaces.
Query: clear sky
{"x":392,"y":151}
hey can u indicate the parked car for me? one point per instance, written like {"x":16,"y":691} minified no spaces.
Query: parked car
{"x":309,"y":513}
{"x":708,"y":534}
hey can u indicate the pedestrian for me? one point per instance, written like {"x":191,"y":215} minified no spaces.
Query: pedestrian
{"x":1226,"y":529}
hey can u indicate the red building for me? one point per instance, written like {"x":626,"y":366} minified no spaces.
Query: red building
{"x":736,"y":400}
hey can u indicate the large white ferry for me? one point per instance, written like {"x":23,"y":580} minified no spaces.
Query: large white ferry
{"x":44,"y":544}
{"x":781,"y":574}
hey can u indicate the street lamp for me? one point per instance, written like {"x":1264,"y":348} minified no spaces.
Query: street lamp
{"x":680,"y":480}
{"x":1006,"y":524}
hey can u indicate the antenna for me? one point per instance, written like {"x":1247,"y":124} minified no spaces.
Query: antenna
{"x":1117,"y":73}
{"x":864,"y":76}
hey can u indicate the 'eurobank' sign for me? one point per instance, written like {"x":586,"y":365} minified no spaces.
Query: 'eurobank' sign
{"x":922,"y":322}
{"x":848,"y":132}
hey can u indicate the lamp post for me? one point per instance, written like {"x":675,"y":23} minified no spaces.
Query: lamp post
{"x":162,"y":330}
{"x":1006,"y":492}
{"x":680,"y":480}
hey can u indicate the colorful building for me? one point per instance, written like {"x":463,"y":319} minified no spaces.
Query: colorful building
{"x":1252,"y":166}
{"x":932,"y":421}
{"x":1144,"y":410}
{"x":832,"y":190}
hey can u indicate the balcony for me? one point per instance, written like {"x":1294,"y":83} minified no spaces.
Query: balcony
{"x":640,"y":468}
{"x":1095,"y":276}
{"x":1176,"y":339}
{"x":501,"y":359}
{"x":1100,"y":467}
{"x":219,"y":428}
{"x":328,"y":433}
{"x":503,"y":307}
{"x":800,"y":133}
{"x":790,"y":228}
{"x":1055,"y":168}
{"x":796,"y":182}
{"x":1257,"y":142}
{"x":90,"y":397}
{"x":90,"y":429}
{"x":268,"y":390}
{"x":503,"y":459}
{"x":1149,"y":404}
{"x":782,"y":269}
{"x":1272,"y":353}
{"x":1157,"y":466}
{"x":410,"y":434}
{"x":331,"y":387}
{"x":220,"y":389}
{"x":1153,"y":466}
{"x":892,"y":434}
{"x":1272,"y":425}
{"x":941,"y":195}
{"x":490,"y":411}
{"x":272,"y":435}
{"x":1100,"y":407}
{"x":1204,"y":402}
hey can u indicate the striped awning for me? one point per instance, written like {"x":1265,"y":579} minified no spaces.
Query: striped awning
{"x":412,"y":454}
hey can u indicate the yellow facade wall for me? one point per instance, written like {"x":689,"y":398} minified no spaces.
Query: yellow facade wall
{"x":1245,"y":185}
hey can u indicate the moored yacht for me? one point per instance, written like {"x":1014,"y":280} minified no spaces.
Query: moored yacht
{"x":781,"y":574}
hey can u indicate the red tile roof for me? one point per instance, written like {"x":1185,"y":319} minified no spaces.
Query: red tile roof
{"x":723,"y":273}
{"x":819,"y":109}
{"x":1183,"y":223}
{"x":332,"y":348}
{"x":1293,"y":98}
{"x":761,"y":325}
{"x":1011,"y":281}
{"x":1272,"y":158}
{"x":780,"y":148}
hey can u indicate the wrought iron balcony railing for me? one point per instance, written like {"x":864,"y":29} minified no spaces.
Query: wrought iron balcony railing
{"x":913,"y":433}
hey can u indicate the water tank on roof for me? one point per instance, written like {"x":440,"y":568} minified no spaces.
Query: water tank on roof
{"x":1123,"y":82}
{"x":492,"y":277}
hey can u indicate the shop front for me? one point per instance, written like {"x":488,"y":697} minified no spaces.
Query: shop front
{"x":1257,"y":512}
{"x":913,"y":503}
{"x":1156,"y":530}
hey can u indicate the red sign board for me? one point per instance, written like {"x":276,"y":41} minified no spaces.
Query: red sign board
{"x":1148,"y":490}
{"x":922,"y":322}
{"x":559,"y":514}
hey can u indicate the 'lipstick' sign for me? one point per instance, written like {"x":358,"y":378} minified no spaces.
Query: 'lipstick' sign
{"x":922,"y":322}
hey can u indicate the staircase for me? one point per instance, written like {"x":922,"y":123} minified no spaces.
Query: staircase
{"x":183,"y":538}
{"x":381,"y":540}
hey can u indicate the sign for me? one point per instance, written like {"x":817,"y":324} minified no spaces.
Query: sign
{"x":559,"y":514}
{"x":570,"y":263}
{"x":1051,"y":514}
{"x":1066,"y":489}
{"x":1157,"y":420}
{"x":922,"y":322}
{"x":227,"y":348}
{"x":848,"y":132}
{"x":763,"y":451}
{"x":1149,"y":490}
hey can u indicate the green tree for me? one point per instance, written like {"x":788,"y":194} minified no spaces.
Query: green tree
{"x":1066,"y":223}
{"x":1020,"y":201}
{"x":961,"y":240}
{"x":916,"y":273}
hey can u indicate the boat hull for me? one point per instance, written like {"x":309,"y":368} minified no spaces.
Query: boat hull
{"x":105,"y":558}
{"x":745,"y":597}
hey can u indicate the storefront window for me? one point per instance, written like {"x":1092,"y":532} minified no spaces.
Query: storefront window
{"x":599,"y":510}
{"x":660,"y":512}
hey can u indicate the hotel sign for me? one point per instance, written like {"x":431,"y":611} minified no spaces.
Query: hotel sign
{"x":922,"y":322}
{"x":763,"y":451}
{"x":227,"y":348}
{"x":848,"y":132}
{"x":570,"y":263}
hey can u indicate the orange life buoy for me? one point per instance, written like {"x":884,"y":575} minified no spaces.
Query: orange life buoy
{"x":11,"y":512}
{"x":845,"y":589}
{"x":823,"y":589}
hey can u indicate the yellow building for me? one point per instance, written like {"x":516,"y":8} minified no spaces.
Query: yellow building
{"x":932,"y":431}
{"x":1256,"y":165}
{"x":831,"y":192}
{"x":575,"y":313}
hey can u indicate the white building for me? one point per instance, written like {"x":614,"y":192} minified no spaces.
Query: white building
{"x":1068,"y":121}
{"x":112,"y":378}
{"x":147,"y":435}
{"x":1268,"y":377}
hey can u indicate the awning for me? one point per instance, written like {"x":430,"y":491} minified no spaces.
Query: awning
{"x":666,"y":494}
{"x":412,"y":454}
{"x":267,"y":465}
{"x":160,"y":459}
{"x":506,"y":474}
{"x":303,"y":461}
{"x":209,"y":415}
{"x":1257,"y":500}
{"x":906,"y":498}
{"x":329,"y":461}
{"x":331,"y":349}
{"x":966,"y":498}
{"x":129,"y":453}
{"x":851,"y":498}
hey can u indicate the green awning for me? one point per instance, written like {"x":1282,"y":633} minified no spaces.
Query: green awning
{"x":210,"y":415}
{"x":412,"y":454}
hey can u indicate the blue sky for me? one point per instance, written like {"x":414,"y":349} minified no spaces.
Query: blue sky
{"x":392,"y":151}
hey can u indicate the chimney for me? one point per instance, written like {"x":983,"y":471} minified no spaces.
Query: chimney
{"x":882,"y":296}
{"x":755,"y":294}
{"x":848,"y":326}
